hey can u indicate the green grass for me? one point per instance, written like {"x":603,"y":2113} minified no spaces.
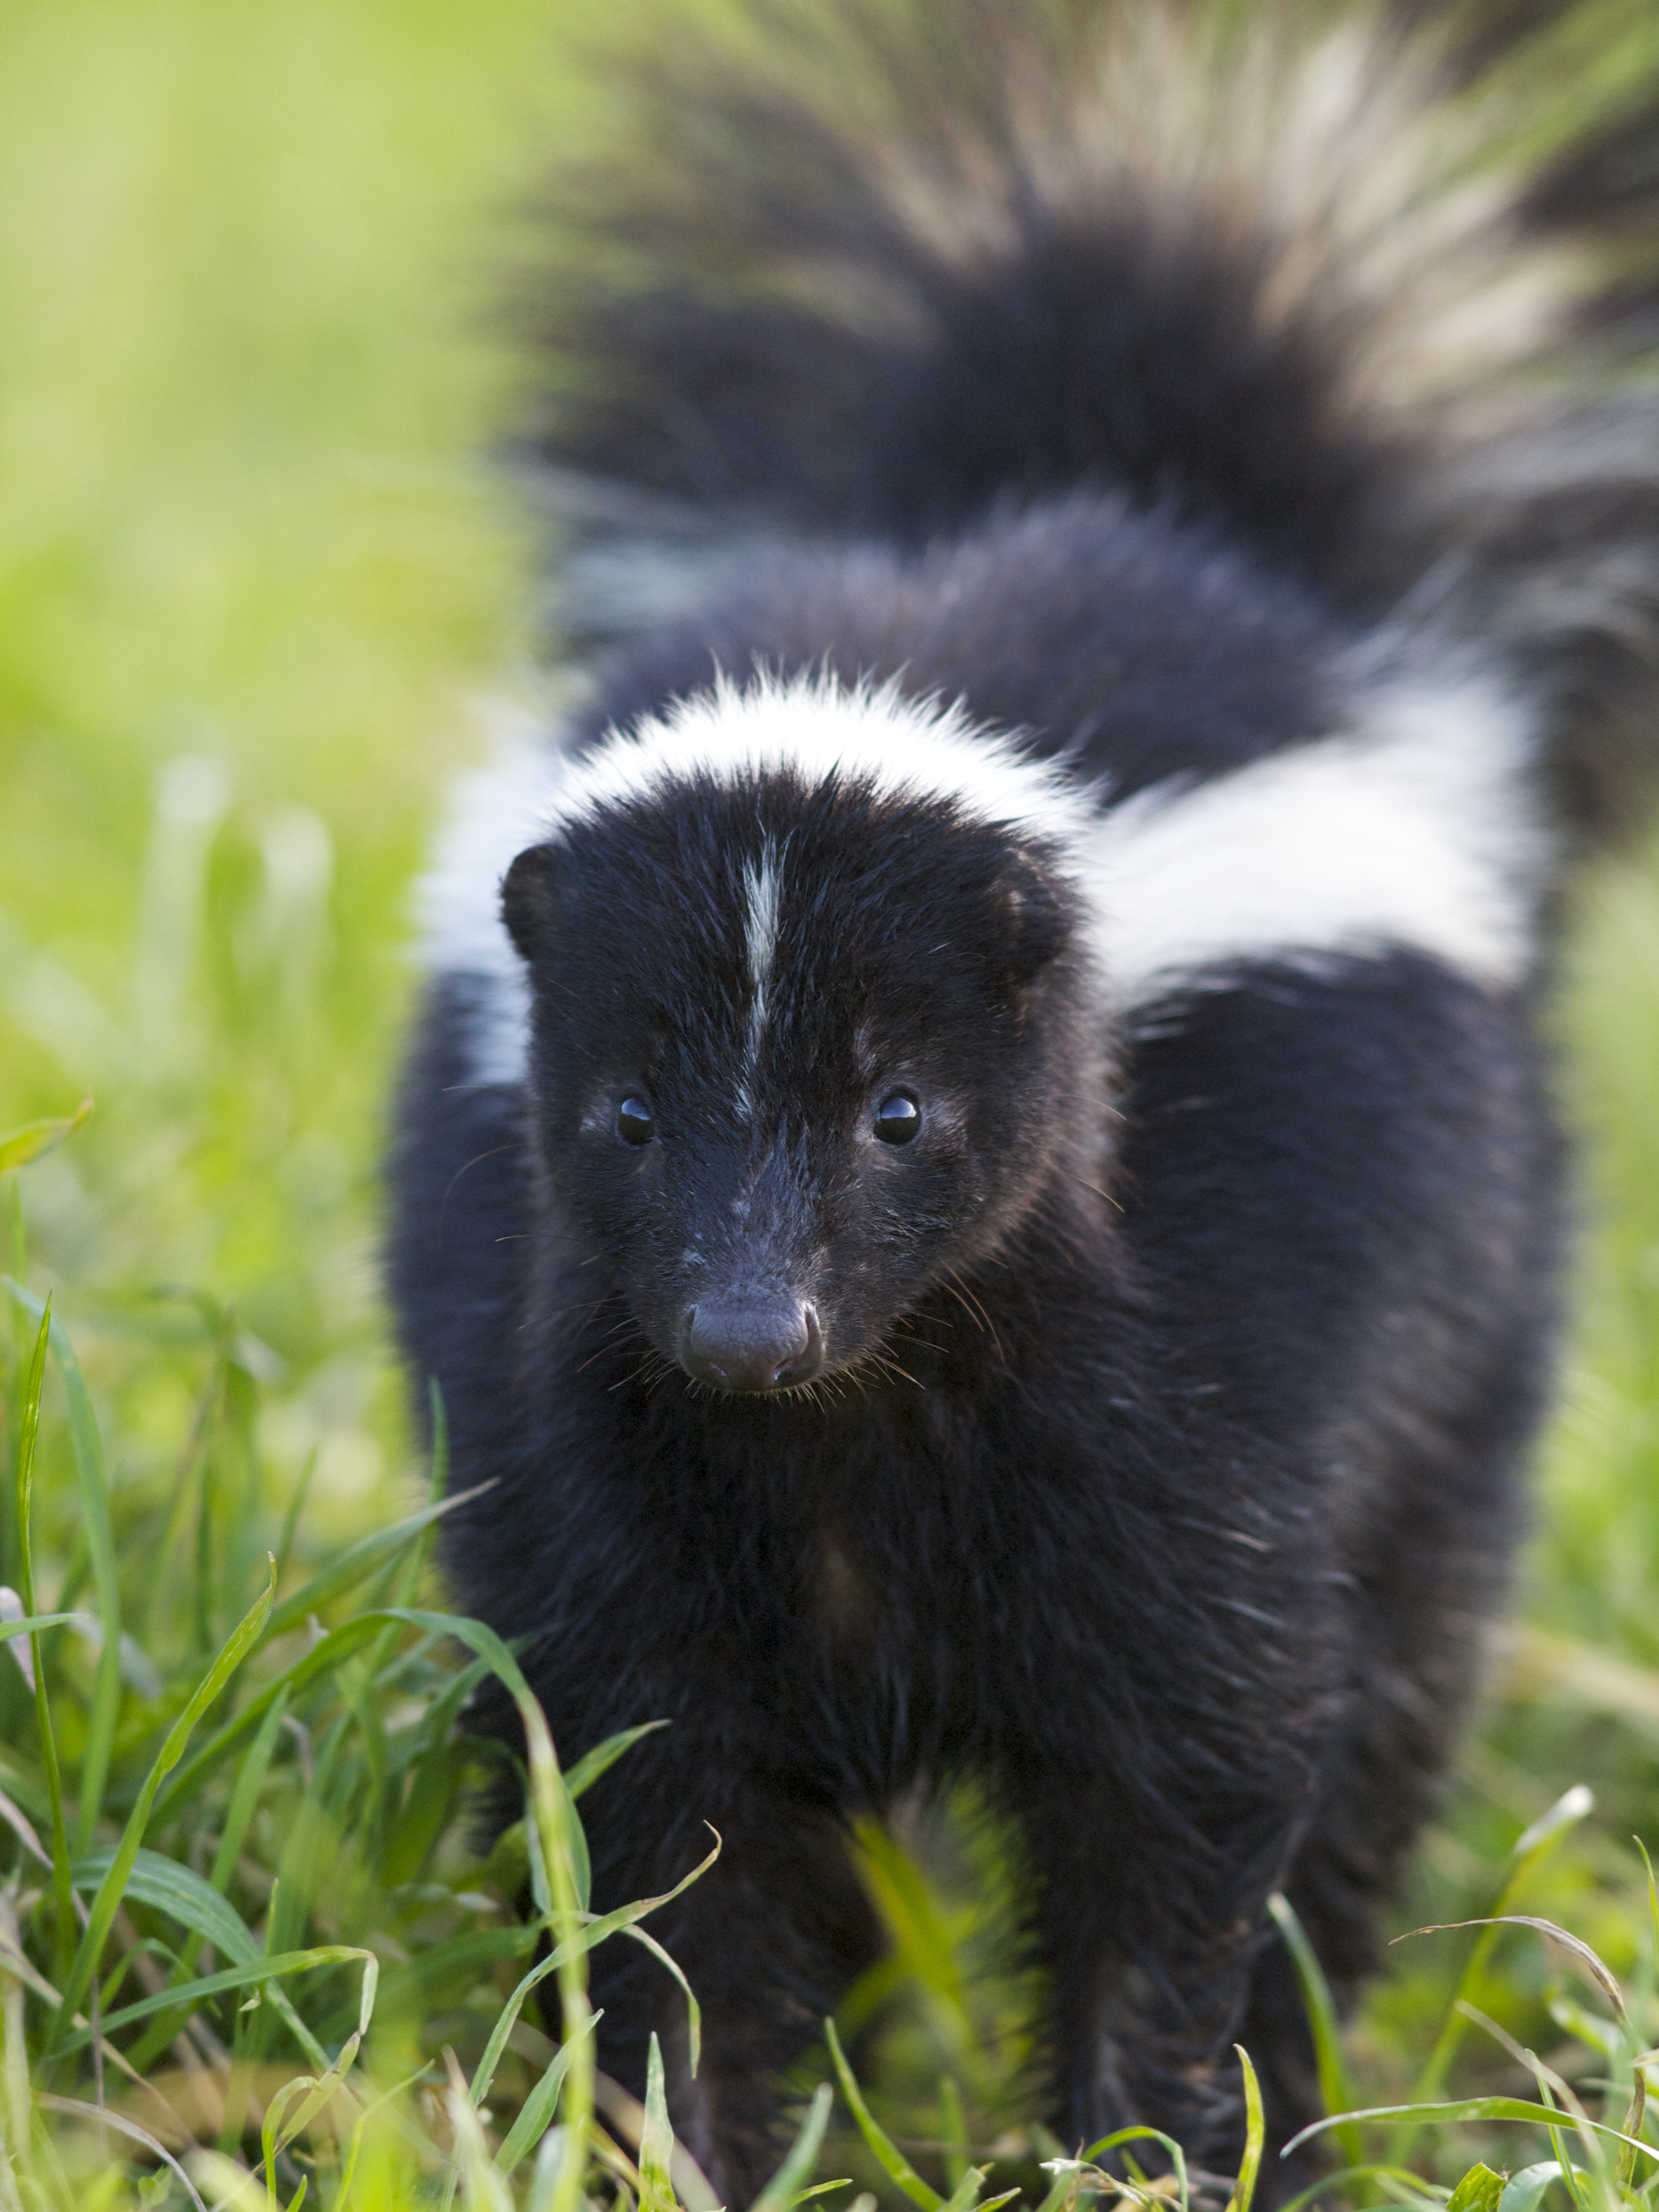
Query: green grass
{"x":251,"y":573}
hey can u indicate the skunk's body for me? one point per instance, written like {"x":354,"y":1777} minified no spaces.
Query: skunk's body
{"x":991,"y":1206}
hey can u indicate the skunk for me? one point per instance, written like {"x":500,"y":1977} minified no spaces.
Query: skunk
{"x":976,"y":1171}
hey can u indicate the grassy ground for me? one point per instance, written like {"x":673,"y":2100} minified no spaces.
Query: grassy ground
{"x":251,"y":574}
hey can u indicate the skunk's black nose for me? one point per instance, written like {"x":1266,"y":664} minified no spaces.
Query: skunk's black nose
{"x":751,"y":1341}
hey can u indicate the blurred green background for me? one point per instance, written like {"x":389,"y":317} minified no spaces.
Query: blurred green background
{"x":255,"y":567}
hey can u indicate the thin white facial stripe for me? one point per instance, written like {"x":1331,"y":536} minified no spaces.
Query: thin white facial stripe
{"x":760,"y":883}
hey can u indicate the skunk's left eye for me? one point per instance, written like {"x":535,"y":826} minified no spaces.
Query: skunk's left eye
{"x":898,"y":1117}
{"x":634,"y":1123}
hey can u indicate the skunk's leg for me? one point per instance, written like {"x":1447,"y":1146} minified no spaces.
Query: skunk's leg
{"x":1425,"y":1584}
{"x":1149,"y":1923}
{"x":769,"y":1939}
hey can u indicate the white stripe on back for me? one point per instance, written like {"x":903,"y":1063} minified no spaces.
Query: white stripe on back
{"x":1418,"y":829}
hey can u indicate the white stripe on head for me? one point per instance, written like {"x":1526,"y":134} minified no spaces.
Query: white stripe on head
{"x":1417,"y":828}
{"x":813,"y":728}
{"x":761,"y":885}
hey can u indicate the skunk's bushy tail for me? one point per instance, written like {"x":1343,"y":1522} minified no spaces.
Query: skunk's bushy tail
{"x":1369,"y":289}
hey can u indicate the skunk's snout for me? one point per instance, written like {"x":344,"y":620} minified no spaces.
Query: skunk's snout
{"x":751,"y":1341}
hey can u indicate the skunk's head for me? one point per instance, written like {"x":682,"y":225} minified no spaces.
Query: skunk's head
{"x":798,"y":1049}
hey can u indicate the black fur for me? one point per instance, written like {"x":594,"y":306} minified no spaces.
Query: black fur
{"x":1161,"y":1467}
{"x":1132,"y":646}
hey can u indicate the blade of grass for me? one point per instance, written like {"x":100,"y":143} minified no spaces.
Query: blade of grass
{"x":1142,"y":2134}
{"x":357,"y":1688}
{"x":584,"y":1940}
{"x":254,"y":1973}
{"x":788,"y":2185}
{"x":1532,"y":1847}
{"x":671,"y":1966}
{"x":155,"y":1577}
{"x":953,"y":2131}
{"x":224,"y":1935}
{"x":560,"y":1835}
{"x":1575,"y":1947}
{"x":180,"y":1893}
{"x":551,"y":2153}
{"x":338,"y":1644}
{"x":1524,"y":2190}
{"x":234,"y":2188}
{"x":1473,"y":2108}
{"x":1255,"y":2136}
{"x":361,"y":1559}
{"x":36,"y":1138}
{"x":593,"y":1764}
{"x":202,"y":1575}
{"x":437,"y":1484}
{"x":406,"y":1575}
{"x":1061,"y":2189}
{"x":888,"y":2156}
{"x":244,"y":1797}
{"x":656,"y":2137}
{"x":560,"y":1828}
{"x":537,"y":2110}
{"x":244,"y":1544}
{"x":62,"y":1892}
{"x":314,"y":1842}
{"x":430,"y":1790}
{"x":237,"y":1647}
{"x":1653,"y":1900}
{"x":1395,"y":2176}
{"x":1334,"y":2086}
{"x":564,"y":1855}
{"x":100,"y":2116}
{"x":99,"y":1538}
{"x":965,"y":2197}
{"x":34,"y":1624}
{"x":323,"y":2087}
{"x":1558,"y":2094}
{"x":343,"y":2196}
{"x":1479,"y":2191}
{"x":486,"y":2186}
{"x":291,"y":1518}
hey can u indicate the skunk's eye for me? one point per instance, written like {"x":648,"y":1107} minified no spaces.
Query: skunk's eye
{"x":634,"y":1123}
{"x":898,"y":1117}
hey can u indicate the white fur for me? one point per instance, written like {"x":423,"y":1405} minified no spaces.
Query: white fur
{"x":1415,"y":827}
{"x":498,"y":811}
{"x":1418,"y":829}
{"x":762,"y":885}
{"x":814,"y":727}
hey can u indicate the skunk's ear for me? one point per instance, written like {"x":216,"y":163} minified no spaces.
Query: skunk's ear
{"x":1038,"y":917}
{"x":527,"y":900}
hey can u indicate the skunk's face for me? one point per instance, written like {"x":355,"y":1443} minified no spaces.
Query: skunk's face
{"x":796,"y":1055}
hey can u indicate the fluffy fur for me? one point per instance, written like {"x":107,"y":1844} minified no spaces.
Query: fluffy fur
{"x":976,"y":1166}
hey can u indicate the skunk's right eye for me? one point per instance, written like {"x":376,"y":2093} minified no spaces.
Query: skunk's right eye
{"x":897,"y":1119}
{"x":634,"y":1123}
